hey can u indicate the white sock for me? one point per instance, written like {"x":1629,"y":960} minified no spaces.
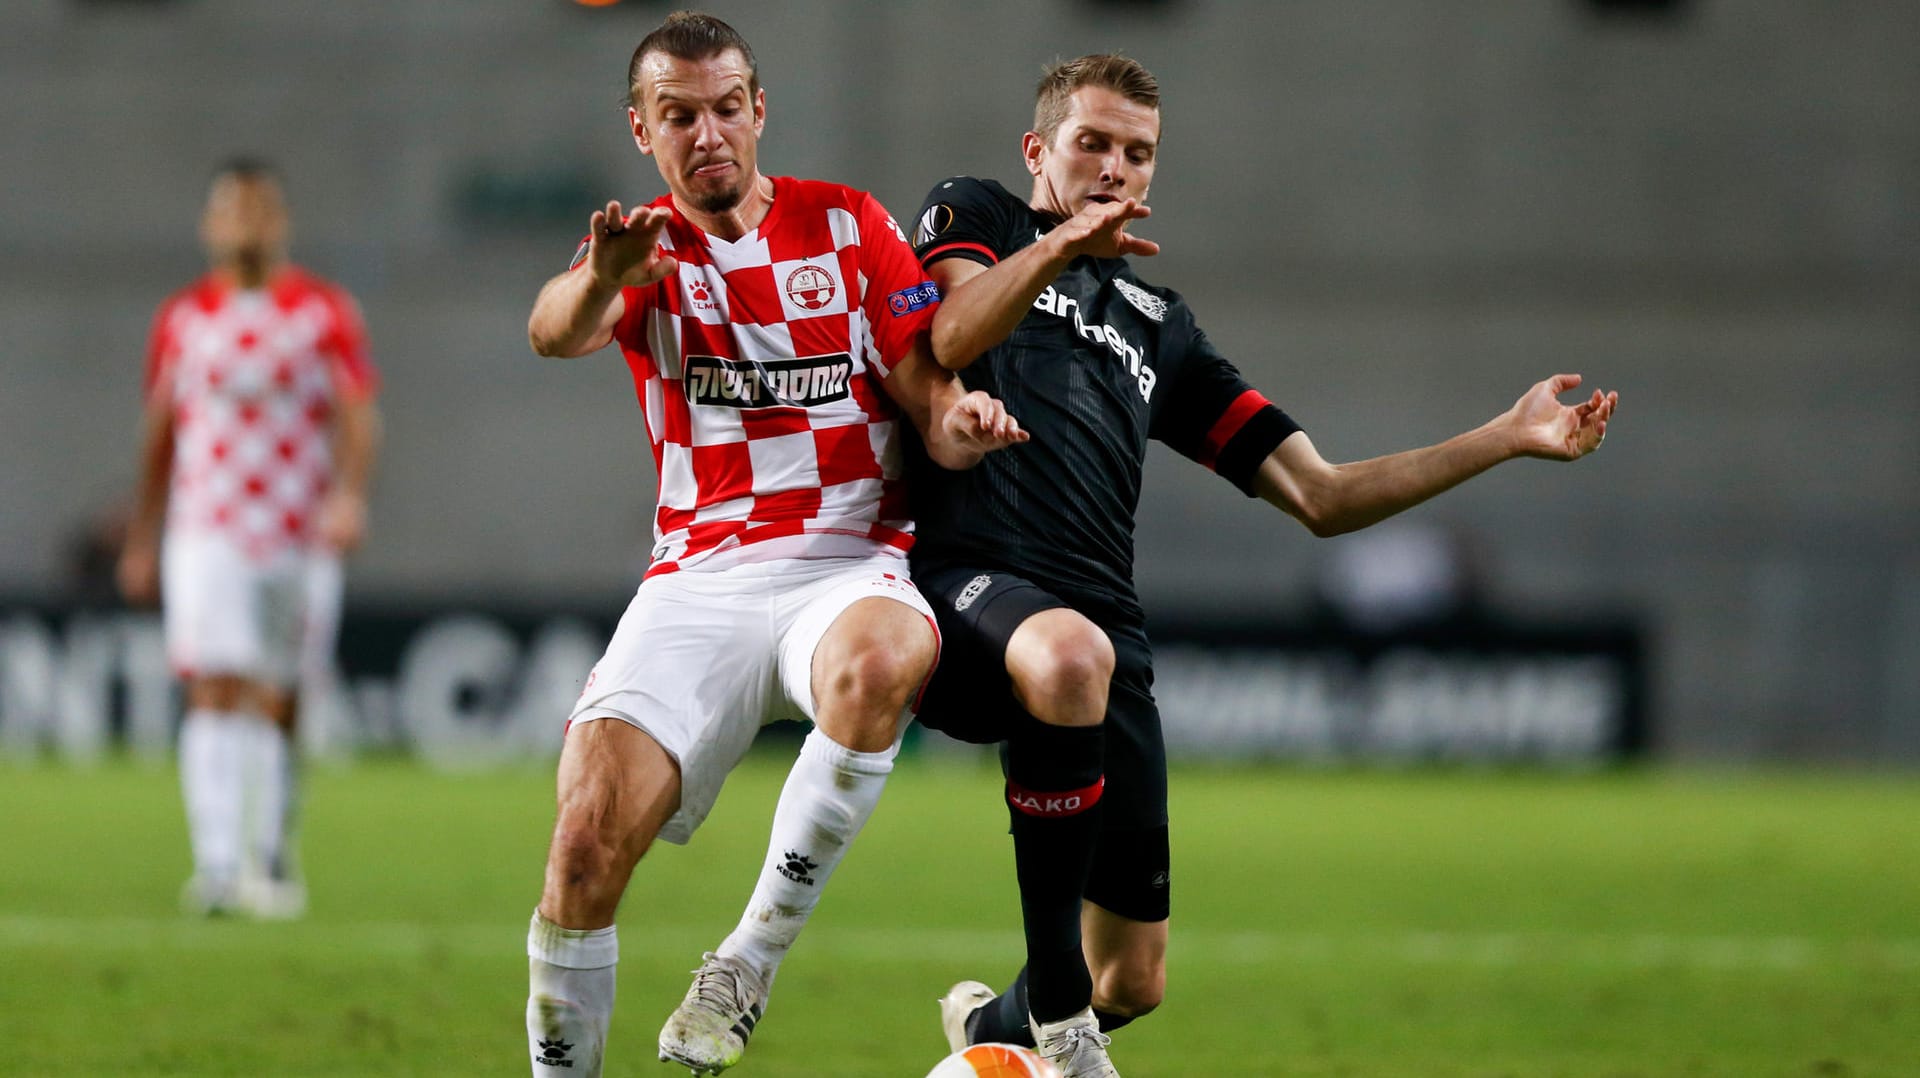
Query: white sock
{"x":270,"y":771}
{"x":212,"y":746}
{"x":570,"y":975}
{"x":829,"y":794}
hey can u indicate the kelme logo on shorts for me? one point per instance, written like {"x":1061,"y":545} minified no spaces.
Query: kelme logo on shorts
{"x":778,"y":383}
{"x":972,"y":591}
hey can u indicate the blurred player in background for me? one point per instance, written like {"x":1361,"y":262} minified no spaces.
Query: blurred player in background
{"x":776,"y":333}
{"x":260,"y":434}
{"x":1028,"y":560}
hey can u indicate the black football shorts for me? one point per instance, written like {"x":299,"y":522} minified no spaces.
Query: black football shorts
{"x":971,"y":698}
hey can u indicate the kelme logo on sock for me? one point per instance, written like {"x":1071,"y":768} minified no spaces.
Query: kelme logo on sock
{"x":797,"y":867}
{"x":553,"y":1053}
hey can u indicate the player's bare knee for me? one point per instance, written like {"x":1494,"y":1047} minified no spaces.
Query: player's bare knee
{"x":1130,"y":989}
{"x":876,"y":673}
{"x":589,"y":861}
{"x":216,"y":692}
{"x":866,"y":691}
{"x":1066,"y":677}
{"x":580,"y":857}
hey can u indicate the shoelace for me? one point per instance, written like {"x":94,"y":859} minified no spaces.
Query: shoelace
{"x":717,"y":985}
{"x":1073,"y":1043}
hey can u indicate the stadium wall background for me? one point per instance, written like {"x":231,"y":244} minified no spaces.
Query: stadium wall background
{"x":1394,"y":214}
{"x":461,"y":687}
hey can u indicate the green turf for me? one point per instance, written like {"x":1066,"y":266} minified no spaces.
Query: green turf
{"x":1327,"y":924}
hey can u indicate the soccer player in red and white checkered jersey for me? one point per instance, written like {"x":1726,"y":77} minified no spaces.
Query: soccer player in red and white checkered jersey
{"x":776,"y":333}
{"x":259,"y":437}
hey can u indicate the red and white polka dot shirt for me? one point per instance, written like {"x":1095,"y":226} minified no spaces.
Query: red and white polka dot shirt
{"x":254,"y":377}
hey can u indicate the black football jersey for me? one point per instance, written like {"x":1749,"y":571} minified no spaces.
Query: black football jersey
{"x":1103,"y":362}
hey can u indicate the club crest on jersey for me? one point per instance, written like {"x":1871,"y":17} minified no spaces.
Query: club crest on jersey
{"x":778,"y":383}
{"x":1143,"y":301}
{"x":810,"y":288}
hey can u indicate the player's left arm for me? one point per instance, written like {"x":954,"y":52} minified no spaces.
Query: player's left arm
{"x":1331,"y":499}
{"x":958,"y":426}
{"x":356,"y":443}
{"x":356,"y":431}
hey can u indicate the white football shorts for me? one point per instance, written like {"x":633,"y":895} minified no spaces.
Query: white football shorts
{"x":274,"y":621}
{"x":702,"y":660}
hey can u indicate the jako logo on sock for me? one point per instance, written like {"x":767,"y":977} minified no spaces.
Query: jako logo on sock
{"x":1055,"y":803}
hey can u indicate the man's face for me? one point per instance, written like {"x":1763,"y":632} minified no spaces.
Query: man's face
{"x":701,"y":123}
{"x":245,"y":220}
{"x":1104,"y":151}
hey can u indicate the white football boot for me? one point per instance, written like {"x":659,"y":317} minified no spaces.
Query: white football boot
{"x":708,"y":1032}
{"x":1075,"y":1045}
{"x":957,"y":1006}
{"x":210,"y":896}
{"x":267,"y":899}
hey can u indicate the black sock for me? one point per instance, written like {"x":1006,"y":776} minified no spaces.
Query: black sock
{"x":1054,"y":779}
{"x":1110,"y":1021}
{"x":1004,"y":1019}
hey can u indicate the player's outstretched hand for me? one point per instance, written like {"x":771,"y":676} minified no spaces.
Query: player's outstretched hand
{"x":624,"y":248}
{"x":343,"y":521}
{"x":980,"y":423}
{"x":1544,"y":427}
{"x":1100,"y":231}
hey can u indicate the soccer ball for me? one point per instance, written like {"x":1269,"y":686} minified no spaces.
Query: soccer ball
{"x":994,"y":1061}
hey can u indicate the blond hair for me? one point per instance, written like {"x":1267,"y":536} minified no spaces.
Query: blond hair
{"x":1110,"y":71}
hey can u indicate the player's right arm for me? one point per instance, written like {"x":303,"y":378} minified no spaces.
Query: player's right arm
{"x":576,"y":311}
{"x":983,"y":296}
{"x":139,"y":568}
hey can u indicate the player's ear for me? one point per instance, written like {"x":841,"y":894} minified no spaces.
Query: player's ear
{"x":1032,"y":148}
{"x":759,"y":110}
{"x":640,"y":136}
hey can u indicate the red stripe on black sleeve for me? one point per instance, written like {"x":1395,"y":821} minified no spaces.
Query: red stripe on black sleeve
{"x":1244,"y":408}
{"x":973,"y":252}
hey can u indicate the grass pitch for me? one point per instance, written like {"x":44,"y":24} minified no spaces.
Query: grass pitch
{"x":1361,"y":925}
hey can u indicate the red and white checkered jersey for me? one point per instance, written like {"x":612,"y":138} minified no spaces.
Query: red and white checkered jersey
{"x":254,"y":376}
{"x":759,"y":366}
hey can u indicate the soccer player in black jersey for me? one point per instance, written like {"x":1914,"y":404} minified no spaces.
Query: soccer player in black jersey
{"x":1028,"y":559}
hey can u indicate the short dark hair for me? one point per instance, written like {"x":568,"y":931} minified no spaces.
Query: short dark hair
{"x":247,"y":167}
{"x":691,"y":35}
{"x":1124,"y":75}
